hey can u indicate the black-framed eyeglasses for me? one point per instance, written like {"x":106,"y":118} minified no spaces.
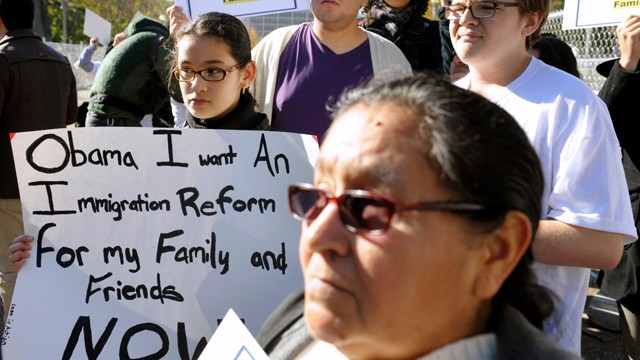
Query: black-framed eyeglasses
{"x":481,"y":10}
{"x":363,"y":211}
{"x":208,"y":74}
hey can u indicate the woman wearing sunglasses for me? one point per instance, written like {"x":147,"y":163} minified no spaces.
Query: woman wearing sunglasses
{"x":213,"y":65}
{"x":416,"y":234}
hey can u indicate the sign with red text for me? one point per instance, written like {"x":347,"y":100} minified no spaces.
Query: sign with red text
{"x":597,"y":13}
{"x":144,"y":238}
{"x":241,"y":8}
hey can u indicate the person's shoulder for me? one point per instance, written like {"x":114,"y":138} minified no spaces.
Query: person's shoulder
{"x":562,"y":77}
{"x":19,"y":39}
{"x":281,"y":319}
{"x":27,"y":45}
{"x":274,"y":41}
{"x":385,"y":53}
{"x":552,"y":82}
{"x":380,"y":42}
{"x":378,"y":38}
{"x":263,"y":122}
{"x":55,"y":54}
{"x":283,"y":31}
{"x":143,"y":24}
{"x":519,"y":339}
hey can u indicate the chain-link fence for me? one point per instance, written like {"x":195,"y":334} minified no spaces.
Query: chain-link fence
{"x":72,"y":52}
{"x":591,"y":47}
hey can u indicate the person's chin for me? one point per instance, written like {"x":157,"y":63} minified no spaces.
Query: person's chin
{"x":329,"y":310}
{"x":325,"y":324}
{"x":199,"y":113}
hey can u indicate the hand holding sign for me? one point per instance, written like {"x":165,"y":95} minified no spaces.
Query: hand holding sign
{"x":96,"y":26}
{"x":19,"y":251}
{"x":629,"y":38}
{"x":177,"y":19}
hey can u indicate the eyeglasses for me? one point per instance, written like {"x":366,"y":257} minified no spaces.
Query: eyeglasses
{"x":362,"y":211}
{"x":480,"y":10}
{"x":209,"y":74}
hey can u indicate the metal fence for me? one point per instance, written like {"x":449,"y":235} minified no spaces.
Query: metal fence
{"x":72,"y":52}
{"x":265,"y":24}
{"x":591,"y":47}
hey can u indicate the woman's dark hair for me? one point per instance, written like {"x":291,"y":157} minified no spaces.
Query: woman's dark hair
{"x":17,"y":14}
{"x":483,"y":156}
{"x":556,"y":53}
{"x":223,"y":26}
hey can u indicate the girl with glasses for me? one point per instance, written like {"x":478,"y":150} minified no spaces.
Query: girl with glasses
{"x":214,"y":68}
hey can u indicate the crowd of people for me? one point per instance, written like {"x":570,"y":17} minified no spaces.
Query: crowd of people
{"x":468,"y":179}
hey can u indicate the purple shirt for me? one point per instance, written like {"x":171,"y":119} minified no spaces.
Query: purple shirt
{"x":310,"y":76}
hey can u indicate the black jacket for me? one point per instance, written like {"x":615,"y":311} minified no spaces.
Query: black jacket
{"x":37,"y":92}
{"x":620,"y":93}
{"x":419,"y":40}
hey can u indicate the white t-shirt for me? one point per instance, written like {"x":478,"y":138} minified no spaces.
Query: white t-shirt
{"x":571,"y":130}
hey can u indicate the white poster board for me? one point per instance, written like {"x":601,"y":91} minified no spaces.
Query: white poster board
{"x":96,"y":26}
{"x":232,"y":341}
{"x":241,"y":8}
{"x":146,"y":237}
{"x":596,"y":13}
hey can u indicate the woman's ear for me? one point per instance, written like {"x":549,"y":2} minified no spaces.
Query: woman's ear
{"x":249,"y":73}
{"x":502,"y":251}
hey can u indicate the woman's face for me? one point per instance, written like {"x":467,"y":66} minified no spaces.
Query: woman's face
{"x":210,"y":99}
{"x":401,"y":293}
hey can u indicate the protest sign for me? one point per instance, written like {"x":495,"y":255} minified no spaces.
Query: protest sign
{"x":592,"y":13}
{"x":241,"y":8}
{"x":146,"y":237}
{"x":96,"y":26}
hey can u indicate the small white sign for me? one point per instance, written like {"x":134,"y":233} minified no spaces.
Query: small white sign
{"x":96,"y":26}
{"x":241,"y":8}
{"x":232,"y":341}
{"x":597,"y":13}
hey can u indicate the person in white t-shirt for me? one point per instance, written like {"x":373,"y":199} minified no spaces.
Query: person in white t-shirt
{"x":586,"y":209}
